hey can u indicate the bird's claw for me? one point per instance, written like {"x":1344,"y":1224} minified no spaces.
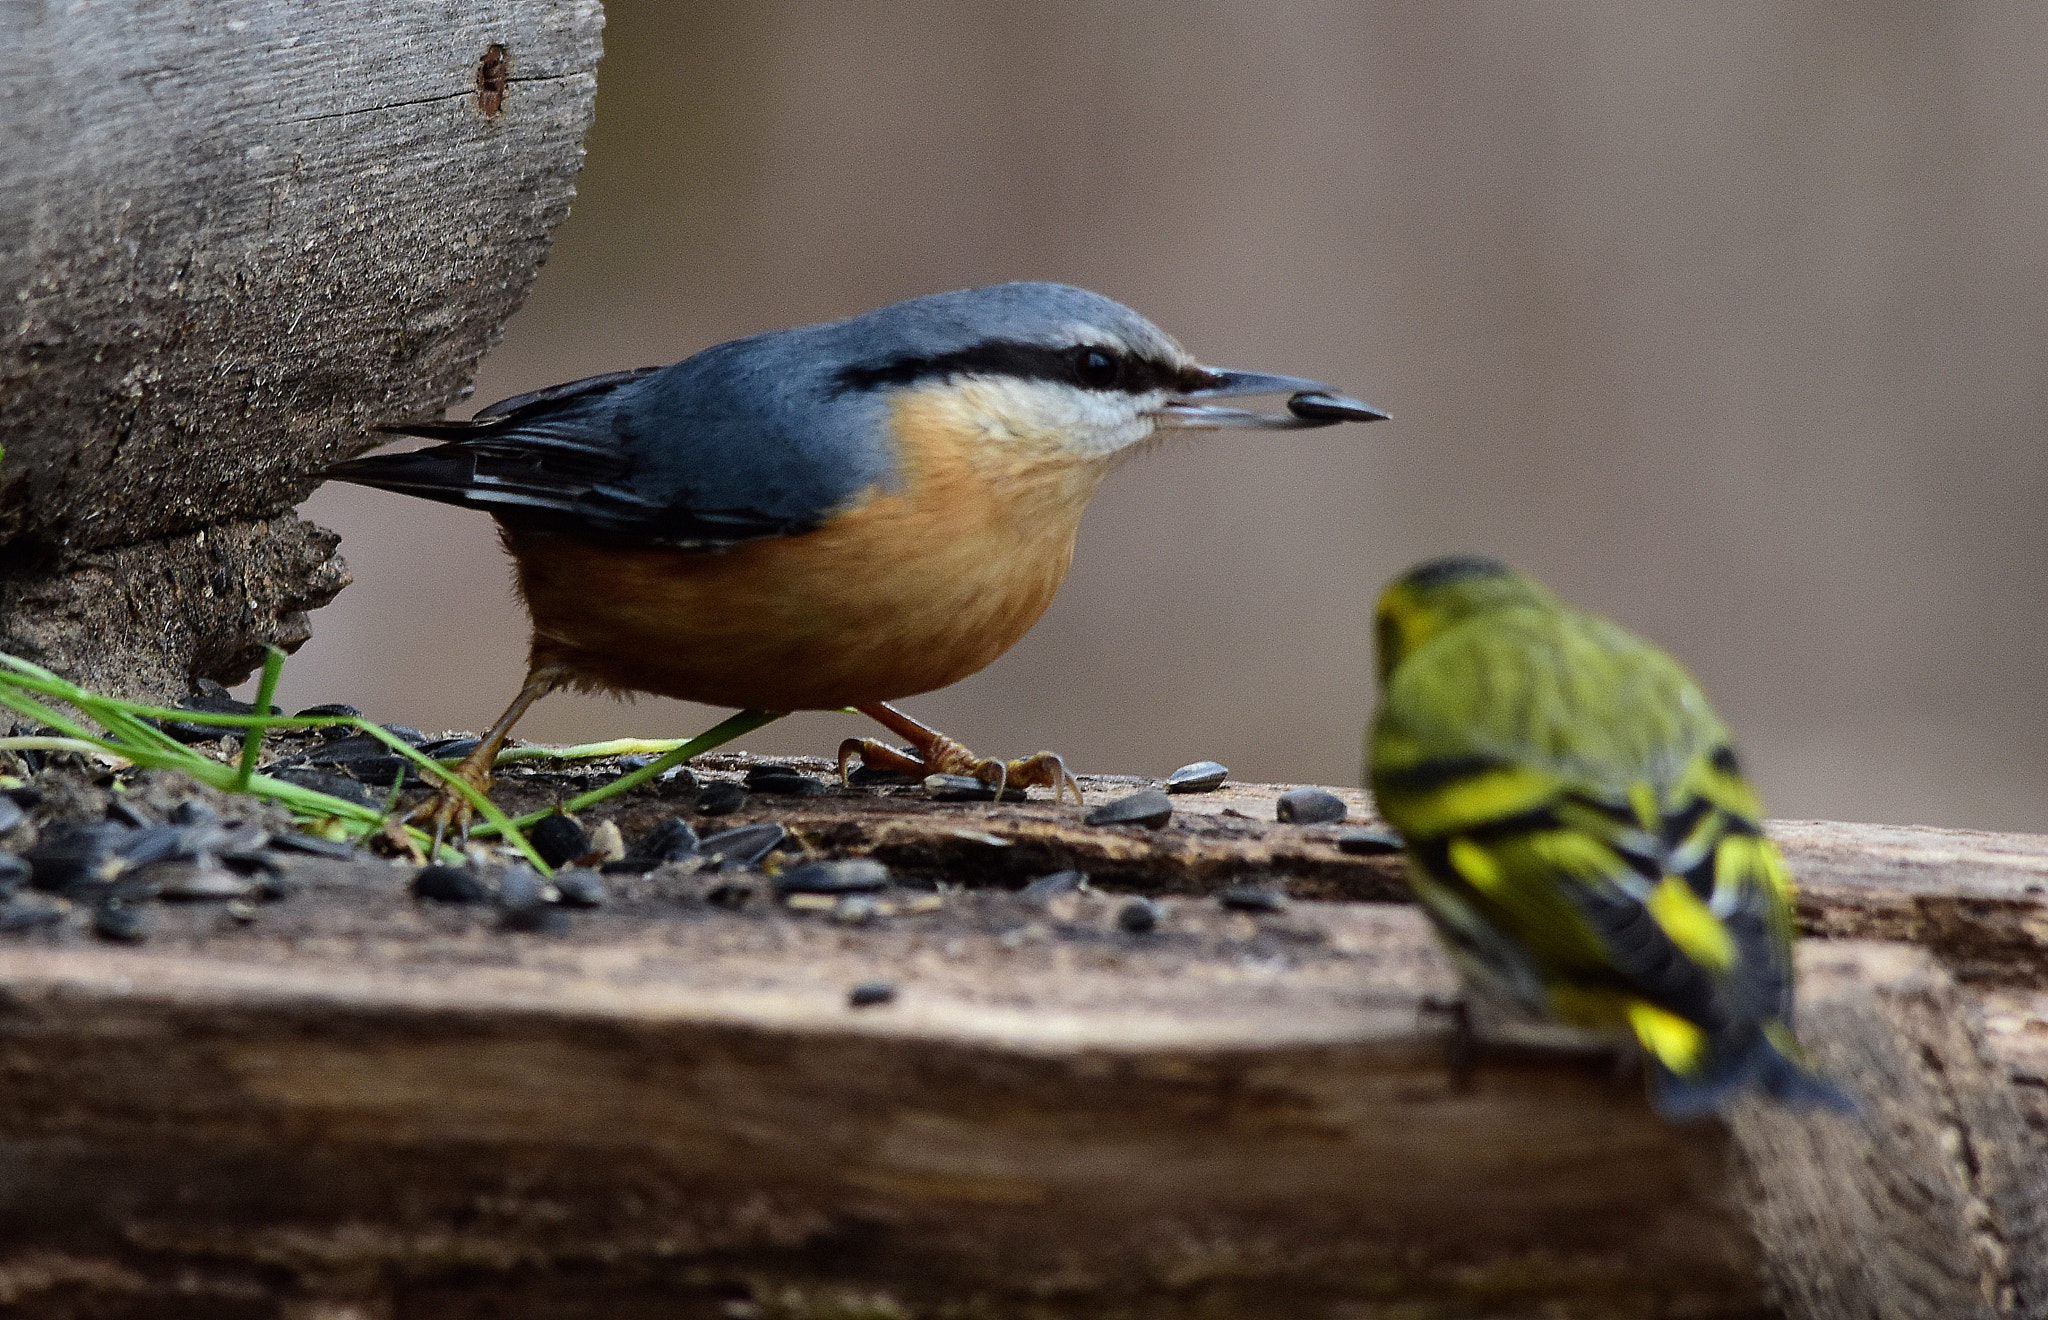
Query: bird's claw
{"x":945,"y":756}
{"x":448,"y":811}
{"x":876,"y":755}
{"x":444,"y":813}
{"x":1042,"y":769}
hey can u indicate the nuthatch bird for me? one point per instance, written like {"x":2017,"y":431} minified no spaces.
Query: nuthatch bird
{"x":832,"y":516}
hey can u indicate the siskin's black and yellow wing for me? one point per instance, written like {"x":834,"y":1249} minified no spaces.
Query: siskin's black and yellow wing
{"x":1579,"y":830}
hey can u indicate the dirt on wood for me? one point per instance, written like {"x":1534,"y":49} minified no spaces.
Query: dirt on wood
{"x":1216,"y":1076}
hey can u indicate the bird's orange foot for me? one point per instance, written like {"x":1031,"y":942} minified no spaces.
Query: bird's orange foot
{"x":1043,"y":770}
{"x":448,"y":813}
{"x":448,"y":810}
{"x":932,"y":752}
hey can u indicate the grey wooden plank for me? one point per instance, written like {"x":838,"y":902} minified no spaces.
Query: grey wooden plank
{"x":234,"y":235}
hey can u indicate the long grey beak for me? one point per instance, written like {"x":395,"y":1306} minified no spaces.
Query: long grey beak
{"x":1310,"y":403}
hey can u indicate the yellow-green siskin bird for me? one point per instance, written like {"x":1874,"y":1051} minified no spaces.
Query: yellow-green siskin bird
{"x":1579,"y":831}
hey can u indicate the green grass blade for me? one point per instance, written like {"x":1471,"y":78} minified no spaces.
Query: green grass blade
{"x":591,"y":751}
{"x":498,"y":823}
{"x":28,"y":688}
{"x":21,"y":704}
{"x":736,"y":726}
{"x":117,"y":717}
{"x":41,"y":744}
{"x":252,"y":742}
{"x":152,"y":749}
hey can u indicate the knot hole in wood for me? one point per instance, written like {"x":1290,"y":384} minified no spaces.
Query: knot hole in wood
{"x":493,"y":74}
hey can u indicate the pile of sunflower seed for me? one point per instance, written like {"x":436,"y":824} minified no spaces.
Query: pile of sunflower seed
{"x":115,"y":866}
{"x":585,"y":860}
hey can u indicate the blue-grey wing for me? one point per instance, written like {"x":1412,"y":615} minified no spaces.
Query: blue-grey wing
{"x":739,"y":443}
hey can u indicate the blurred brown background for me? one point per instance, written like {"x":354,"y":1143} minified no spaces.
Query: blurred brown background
{"x":1730,"y":321}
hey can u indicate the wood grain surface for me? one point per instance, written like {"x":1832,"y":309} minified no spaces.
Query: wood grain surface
{"x":669,"y":1105}
{"x":232,"y":236}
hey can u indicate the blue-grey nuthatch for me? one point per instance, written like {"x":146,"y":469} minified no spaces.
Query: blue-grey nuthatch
{"x":831,"y":516}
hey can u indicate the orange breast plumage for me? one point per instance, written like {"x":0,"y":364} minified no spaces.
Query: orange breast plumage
{"x":904,"y":591}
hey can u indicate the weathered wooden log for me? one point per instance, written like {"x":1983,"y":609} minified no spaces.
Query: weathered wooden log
{"x":231,"y":236}
{"x":150,"y":618}
{"x":365,"y":1104}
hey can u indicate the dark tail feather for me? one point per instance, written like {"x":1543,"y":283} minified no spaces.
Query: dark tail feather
{"x":451,"y":474}
{"x":1761,"y":1065}
{"x":432,"y":430}
{"x":442,"y":474}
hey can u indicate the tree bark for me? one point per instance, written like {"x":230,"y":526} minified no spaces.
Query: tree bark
{"x":232,"y":237}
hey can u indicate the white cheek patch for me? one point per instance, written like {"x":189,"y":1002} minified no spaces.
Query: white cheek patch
{"x":1042,"y":414}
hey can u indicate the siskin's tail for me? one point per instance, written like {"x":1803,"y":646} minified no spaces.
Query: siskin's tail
{"x":1778,"y":1071}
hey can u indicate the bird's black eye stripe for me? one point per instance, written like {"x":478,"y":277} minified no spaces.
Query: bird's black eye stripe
{"x":1097,"y":368}
{"x":1006,"y":357}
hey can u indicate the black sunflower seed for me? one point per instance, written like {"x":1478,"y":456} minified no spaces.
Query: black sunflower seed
{"x":449,"y":884}
{"x":958,"y":788}
{"x":329,"y":710}
{"x":211,"y":699}
{"x":857,"y":875}
{"x":123,"y":812}
{"x":301,"y":842}
{"x":1140,"y":916}
{"x":121,"y":924}
{"x":1252,"y":898}
{"x":868,"y":994}
{"x":27,"y":916}
{"x":521,"y":887}
{"x":875,"y":776}
{"x":670,"y":840}
{"x":69,"y":857}
{"x":558,"y":839}
{"x":1368,"y":843}
{"x":1149,"y":807}
{"x":720,"y":798}
{"x":581,"y":887}
{"x":1198,"y":777}
{"x":1310,"y":806}
{"x":744,"y":846}
{"x":14,"y":872}
{"x":1048,"y":887}
{"x":333,"y":785}
{"x":193,"y":812}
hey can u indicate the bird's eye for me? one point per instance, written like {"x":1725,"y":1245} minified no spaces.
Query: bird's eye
{"x":1097,"y":368}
